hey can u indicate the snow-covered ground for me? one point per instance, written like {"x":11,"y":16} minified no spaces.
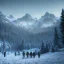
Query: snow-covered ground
{"x":48,"y":58}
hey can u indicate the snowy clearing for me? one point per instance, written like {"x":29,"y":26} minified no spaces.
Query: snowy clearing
{"x":48,"y":58}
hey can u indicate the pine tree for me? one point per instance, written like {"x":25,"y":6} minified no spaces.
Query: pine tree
{"x":56,"y":40}
{"x":56,"y":37}
{"x":42,"y":50}
{"x":47,"y":48}
{"x":62,"y":25}
{"x":22,"y":45}
{"x":53,"y":49}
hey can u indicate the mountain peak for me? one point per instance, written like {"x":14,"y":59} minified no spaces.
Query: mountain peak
{"x":0,"y":13}
{"x":27,"y":16}
{"x":11,"y":17}
{"x":49,"y":15}
{"x":46,"y":14}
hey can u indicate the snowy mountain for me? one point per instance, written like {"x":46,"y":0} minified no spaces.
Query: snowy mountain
{"x":35,"y":26}
{"x":31,"y":30}
{"x":3,"y":18}
{"x":26,"y":18}
{"x":48,"y":19}
{"x":11,"y":18}
{"x":27,"y":22}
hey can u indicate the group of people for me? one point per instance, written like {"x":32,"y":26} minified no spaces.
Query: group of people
{"x":30,"y":54}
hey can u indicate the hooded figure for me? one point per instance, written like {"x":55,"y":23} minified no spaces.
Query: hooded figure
{"x":38,"y":54}
{"x":4,"y":53}
{"x":27,"y":54}
{"x":31,"y":54}
{"x":23,"y":54}
{"x":34,"y":54}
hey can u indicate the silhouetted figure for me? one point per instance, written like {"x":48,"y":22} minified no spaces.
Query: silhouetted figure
{"x":15,"y":53}
{"x":4,"y":53}
{"x":31,"y":54}
{"x":23,"y":54}
{"x":27,"y":54}
{"x":38,"y":54}
{"x":34,"y":54}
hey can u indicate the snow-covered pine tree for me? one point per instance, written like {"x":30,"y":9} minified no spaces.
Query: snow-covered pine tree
{"x":22,"y":44}
{"x":42,"y":49}
{"x":47,"y":48}
{"x":52,"y":49}
{"x":56,"y":40}
{"x":62,"y":25}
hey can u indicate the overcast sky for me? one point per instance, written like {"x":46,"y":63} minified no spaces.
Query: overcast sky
{"x":36,"y":8}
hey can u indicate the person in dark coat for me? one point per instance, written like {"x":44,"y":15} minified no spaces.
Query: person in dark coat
{"x":38,"y":54}
{"x":27,"y":54}
{"x":34,"y":54}
{"x":4,"y":53}
{"x":23,"y":54}
{"x":15,"y":53}
{"x":31,"y":54}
